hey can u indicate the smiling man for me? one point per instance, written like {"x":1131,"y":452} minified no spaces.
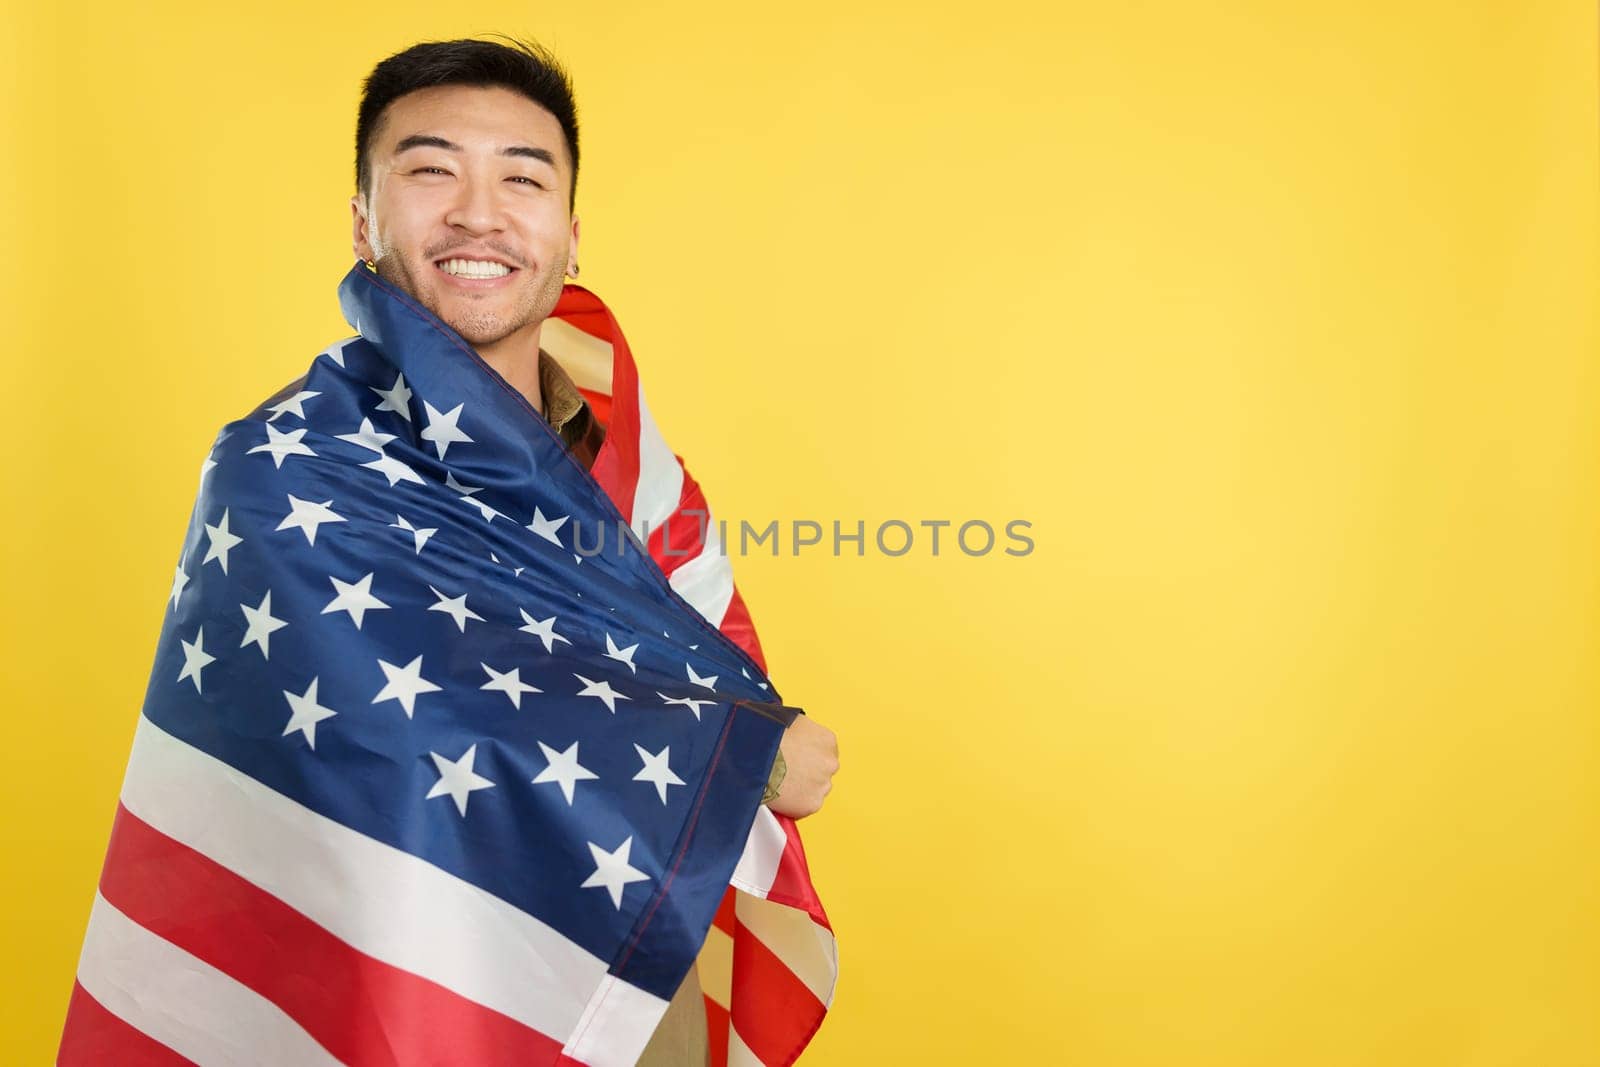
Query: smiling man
{"x":466,"y":197}
{"x":418,"y":778}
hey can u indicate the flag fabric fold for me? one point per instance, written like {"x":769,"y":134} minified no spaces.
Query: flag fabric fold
{"x":452,"y":750}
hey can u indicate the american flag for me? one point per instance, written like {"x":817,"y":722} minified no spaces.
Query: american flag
{"x":422,"y":777}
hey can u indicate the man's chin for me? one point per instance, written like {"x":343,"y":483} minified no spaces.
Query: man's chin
{"x":475,"y":326}
{"x":479,"y":321}
{"x":478,"y":332}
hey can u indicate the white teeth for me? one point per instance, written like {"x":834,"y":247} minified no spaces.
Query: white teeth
{"x":474,"y":268}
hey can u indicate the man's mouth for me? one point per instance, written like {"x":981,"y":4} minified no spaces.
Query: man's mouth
{"x":473,"y":268}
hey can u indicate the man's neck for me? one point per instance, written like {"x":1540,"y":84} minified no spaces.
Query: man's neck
{"x":515,"y":358}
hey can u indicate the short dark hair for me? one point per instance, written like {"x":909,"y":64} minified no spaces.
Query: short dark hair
{"x":521,"y":66}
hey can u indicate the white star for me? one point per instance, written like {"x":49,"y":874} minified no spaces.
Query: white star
{"x":621,"y":655}
{"x":708,"y":682}
{"x":306,"y":713}
{"x":179,"y":580}
{"x":514,"y":570}
{"x":260,"y":624}
{"x":656,"y":771}
{"x":466,"y":492}
{"x":355,"y":598}
{"x":281,"y":445}
{"x":397,"y":398}
{"x":195,"y":658}
{"x":335,"y":351}
{"x":404,"y":684}
{"x":393,"y":469}
{"x":688,"y":702}
{"x":510,"y":683}
{"x":207,"y":463}
{"x":222,"y":542}
{"x":368,"y":436}
{"x":546,"y":528}
{"x":460,"y":487}
{"x":602,"y":690}
{"x":442,"y":429}
{"x":564,"y":769}
{"x":456,"y":778}
{"x":419,"y":536}
{"x":612,"y":870}
{"x":307,"y":515}
{"x":295,"y":404}
{"x":455,"y":607}
{"x":543,"y":629}
{"x":489,"y":514}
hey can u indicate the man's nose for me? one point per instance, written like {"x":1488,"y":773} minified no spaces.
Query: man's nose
{"x":478,"y":208}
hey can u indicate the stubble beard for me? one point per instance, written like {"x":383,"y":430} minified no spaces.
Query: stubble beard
{"x":477,"y":325}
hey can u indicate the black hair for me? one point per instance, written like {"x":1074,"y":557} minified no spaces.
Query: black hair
{"x":521,"y":66}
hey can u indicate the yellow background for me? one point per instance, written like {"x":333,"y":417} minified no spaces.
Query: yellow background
{"x":1277,"y":323}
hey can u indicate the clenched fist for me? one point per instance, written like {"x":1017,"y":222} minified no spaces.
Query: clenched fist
{"x":811,"y":755}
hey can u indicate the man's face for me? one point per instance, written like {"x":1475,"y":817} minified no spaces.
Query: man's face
{"x":476,"y":174}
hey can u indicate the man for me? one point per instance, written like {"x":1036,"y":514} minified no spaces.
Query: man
{"x":466,"y":161}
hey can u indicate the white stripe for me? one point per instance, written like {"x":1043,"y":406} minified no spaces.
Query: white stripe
{"x":182,"y":1001}
{"x":706,"y":581}
{"x":739,"y":1054}
{"x":660,"y":487}
{"x":378,"y":899}
{"x":586,"y":359}
{"x":617,"y":1026}
{"x":806,"y":948}
{"x":758,"y":864}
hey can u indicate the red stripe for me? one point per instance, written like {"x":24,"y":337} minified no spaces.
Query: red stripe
{"x":582,"y":308}
{"x":724,"y":919}
{"x":362,"y":1010}
{"x":94,"y":1037}
{"x":792,"y":884}
{"x":717,"y":1032}
{"x":773,"y":1010}
{"x":680,"y":533}
{"x":738,"y":628}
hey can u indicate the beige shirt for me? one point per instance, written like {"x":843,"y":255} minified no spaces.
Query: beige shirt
{"x":568,"y":413}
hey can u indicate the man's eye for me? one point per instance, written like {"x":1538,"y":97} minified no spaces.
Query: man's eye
{"x":525,"y":178}
{"x":422,"y":170}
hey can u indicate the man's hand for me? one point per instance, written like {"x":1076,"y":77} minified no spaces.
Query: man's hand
{"x":811,"y":753}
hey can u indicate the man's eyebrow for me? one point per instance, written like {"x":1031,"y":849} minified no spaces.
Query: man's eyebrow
{"x":426,"y":140}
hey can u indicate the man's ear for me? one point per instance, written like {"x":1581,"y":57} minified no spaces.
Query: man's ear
{"x":359,"y":241}
{"x":572,"y":251}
